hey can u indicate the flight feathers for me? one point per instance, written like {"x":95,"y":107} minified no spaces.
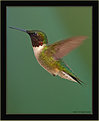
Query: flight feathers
{"x":63,"y":47}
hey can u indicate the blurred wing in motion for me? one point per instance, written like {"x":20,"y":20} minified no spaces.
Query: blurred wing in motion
{"x":63,"y":47}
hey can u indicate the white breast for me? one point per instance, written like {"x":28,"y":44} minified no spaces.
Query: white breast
{"x":37,"y":50}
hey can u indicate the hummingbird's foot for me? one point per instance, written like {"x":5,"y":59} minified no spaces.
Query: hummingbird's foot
{"x":53,"y":74}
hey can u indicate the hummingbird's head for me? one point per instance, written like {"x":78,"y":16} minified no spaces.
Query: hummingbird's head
{"x":38,"y":38}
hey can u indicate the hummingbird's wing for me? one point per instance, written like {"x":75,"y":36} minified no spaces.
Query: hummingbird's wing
{"x":63,"y":47}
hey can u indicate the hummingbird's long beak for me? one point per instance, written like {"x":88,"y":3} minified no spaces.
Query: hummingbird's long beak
{"x":18,"y":29}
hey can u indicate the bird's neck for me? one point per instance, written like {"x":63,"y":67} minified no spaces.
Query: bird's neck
{"x":37,"y":50}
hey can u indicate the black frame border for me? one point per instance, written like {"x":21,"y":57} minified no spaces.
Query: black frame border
{"x":4,"y":116}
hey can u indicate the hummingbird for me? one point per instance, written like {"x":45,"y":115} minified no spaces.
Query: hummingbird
{"x":50,"y":56}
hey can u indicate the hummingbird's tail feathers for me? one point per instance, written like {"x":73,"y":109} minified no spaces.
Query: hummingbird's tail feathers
{"x":64,"y":75}
{"x":79,"y":81}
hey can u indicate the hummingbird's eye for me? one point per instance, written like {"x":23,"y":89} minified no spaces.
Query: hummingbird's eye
{"x":34,"y":34}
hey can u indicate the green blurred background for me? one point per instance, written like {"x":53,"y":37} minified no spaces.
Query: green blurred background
{"x":30,"y":88}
